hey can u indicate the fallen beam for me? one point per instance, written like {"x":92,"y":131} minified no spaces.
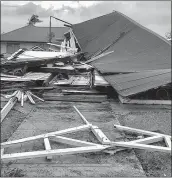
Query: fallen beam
{"x":73,"y":142}
{"x":47,"y":146}
{"x":136,"y":101}
{"x":100,"y":135}
{"x":6,"y":109}
{"x":67,"y":151}
{"x":139,"y":131}
{"x":52,"y":134}
{"x":148,"y":140}
{"x":142,"y":146}
{"x":83,"y":118}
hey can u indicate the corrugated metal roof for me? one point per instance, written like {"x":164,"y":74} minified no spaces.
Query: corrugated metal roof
{"x":135,"y":47}
{"x":32,"y":33}
{"x":134,"y":83}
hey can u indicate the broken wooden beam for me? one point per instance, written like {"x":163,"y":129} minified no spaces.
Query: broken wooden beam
{"x":83,"y":118}
{"x":6,"y":109}
{"x":100,"y":135}
{"x":73,"y":142}
{"x":51,"y":134}
{"x":66,"y":151}
{"x":142,"y":146}
{"x":138,"y":131}
{"x":47,"y":146}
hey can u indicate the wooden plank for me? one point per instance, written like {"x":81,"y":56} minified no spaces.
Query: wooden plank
{"x":25,"y":97}
{"x":47,"y":146}
{"x":82,"y":117}
{"x":6,"y":109}
{"x":137,"y":101}
{"x":100,"y":135}
{"x":142,"y":146}
{"x":2,"y":151}
{"x":9,"y":96}
{"x":148,"y":140}
{"x":51,"y":134}
{"x":30,"y":98}
{"x":73,"y":100}
{"x":57,"y":70}
{"x":139,"y":131}
{"x":70,"y":141}
{"x":168,"y":141}
{"x":87,"y":92}
{"x":18,"y":95}
{"x":66,"y":151}
{"x":36,"y":96}
{"x":22,"y":99}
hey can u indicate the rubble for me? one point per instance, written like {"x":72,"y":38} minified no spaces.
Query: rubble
{"x":74,"y":75}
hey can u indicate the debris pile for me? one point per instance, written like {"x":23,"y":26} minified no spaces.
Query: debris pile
{"x":85,"y":69}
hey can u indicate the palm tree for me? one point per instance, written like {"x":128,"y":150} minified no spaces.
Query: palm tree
{"x":34,"y":19}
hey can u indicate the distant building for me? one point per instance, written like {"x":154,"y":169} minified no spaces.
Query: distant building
{"x":30,"y":36}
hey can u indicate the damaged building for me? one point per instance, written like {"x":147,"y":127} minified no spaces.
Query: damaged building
{"x":108,"y":58}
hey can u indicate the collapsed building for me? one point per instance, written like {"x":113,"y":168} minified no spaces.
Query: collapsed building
{"x":134,"y":60}
{"x":109,"y":55}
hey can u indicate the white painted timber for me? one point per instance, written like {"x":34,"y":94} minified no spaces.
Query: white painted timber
{"x":6,"y":109}
{"x":36,"y":96}
{"x":148,"y":140}
{"x":168,"y":141}
{"x":30,"y":98}
{"x":47,"y":146}
{"x":51,"y":134}
{"x":143,"y":146}
{"x":66,"y":151}
{"x":73,"y":142}
{"x":133,"y":130}
{"x":100,"y":135}
{"x":83,"y":118}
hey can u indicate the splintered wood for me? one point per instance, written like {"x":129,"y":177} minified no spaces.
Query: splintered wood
{"x":19,"y":96}
{"x":84,"y":146}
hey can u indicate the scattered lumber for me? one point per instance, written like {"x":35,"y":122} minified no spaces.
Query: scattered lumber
{"x":77,"y":92}
{"x":67,"y":70}
{"x":6,"y":109}
{"x":143,"y":143}
{"x":84,"y":146}
{"x":75,"y":98}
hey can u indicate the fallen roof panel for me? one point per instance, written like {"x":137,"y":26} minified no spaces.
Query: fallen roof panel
{"x":134,"y":83}
{"x":135,"y":47}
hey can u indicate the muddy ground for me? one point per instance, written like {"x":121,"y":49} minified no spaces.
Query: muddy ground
{"x":53,"y":115}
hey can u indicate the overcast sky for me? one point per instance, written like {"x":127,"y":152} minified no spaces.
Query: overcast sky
{"x":155,"y":15}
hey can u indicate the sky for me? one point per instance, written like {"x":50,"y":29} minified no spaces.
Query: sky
{"x":155,"y":15}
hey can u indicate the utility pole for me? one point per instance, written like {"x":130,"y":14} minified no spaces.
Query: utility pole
{"x":50,"y":31}
{"x":69,"y":25}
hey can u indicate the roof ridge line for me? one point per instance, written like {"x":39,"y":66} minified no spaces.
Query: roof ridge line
{"x":145,"y":28}
{"x":95,"y":18}
{"x":14,"y":30}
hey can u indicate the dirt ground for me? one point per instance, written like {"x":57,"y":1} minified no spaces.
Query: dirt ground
{"x":152,"y":118}
{"x":54,"y":115}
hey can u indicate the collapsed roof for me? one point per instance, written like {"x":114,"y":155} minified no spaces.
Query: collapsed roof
{"x":134,"y":83}
{"x":132,"y":47}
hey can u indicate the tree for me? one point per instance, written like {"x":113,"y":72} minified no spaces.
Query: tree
{"x":168,"y":35}
{"x":34,"y":19}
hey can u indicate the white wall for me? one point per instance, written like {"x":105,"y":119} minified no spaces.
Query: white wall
{"x":3,"y":47}
{"x":23,"y":45}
